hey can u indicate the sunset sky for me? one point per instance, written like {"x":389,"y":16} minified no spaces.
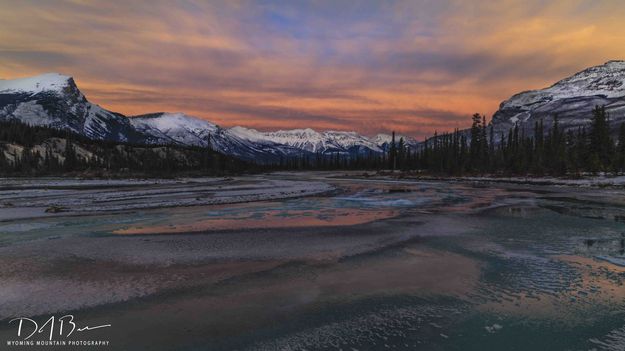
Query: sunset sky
{"x":368,"y":66}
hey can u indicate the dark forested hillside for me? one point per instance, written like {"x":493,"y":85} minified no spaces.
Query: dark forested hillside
{"x":548,"y":150}
{"x":36,"y":150}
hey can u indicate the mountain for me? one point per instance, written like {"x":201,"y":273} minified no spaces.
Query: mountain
{"x":54,"y":100}
{"x":173,"y":128}
{"x":384,"y":141}
{"x":312,"y":141}
{"x":178,"y":128}
{"x":571,"y":99}
{"x":181,"y":129}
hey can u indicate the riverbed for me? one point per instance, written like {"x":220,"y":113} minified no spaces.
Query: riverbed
{"x":316,"y":261}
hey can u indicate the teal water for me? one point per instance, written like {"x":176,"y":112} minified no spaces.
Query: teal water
{"x":425,"y":266}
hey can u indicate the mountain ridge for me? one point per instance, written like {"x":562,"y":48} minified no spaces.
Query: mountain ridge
{"x":571,"y":99}
{"x":55,"y":100}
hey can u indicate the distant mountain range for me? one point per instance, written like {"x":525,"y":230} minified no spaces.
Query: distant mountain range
{"x":55,"y":100}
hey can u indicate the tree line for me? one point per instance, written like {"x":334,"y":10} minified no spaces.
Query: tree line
{"x":549,"y":150}
{"x":39,"y":150}
{"x":545,"y":150}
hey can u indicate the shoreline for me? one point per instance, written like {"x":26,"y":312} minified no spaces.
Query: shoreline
{"x":25,"y":200}
{"x":586,"y":181}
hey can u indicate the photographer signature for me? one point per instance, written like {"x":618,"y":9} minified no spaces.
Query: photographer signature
{"x":62,"y":327}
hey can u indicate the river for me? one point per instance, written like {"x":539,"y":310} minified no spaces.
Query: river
{"x":317,"y":261}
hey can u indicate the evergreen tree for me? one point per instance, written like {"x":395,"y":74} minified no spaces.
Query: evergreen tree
{"x":4,"y":163}
{"x":70,"y":162}
{"x":401,"y":150}
{"x":476,"y":150}
{"x":392,"y":157}
{"x":538,"y":159}
{"x":621,"y":149}
{"x":601,"y":145}
{"x":483,"y":147}
{"x":491,"y":149}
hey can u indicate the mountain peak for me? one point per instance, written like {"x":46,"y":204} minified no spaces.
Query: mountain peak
{"x":172,"y":121}
{"x":44,"y":82}
{"x":571,"y":99}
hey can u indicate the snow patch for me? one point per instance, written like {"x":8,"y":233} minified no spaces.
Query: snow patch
{"x":607,"y":80}
{"x":177,"y":127}
{"x":46,"y":82}
{"x":33,"y":114}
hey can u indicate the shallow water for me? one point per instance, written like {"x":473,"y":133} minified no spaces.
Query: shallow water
{"x":376,"y":264}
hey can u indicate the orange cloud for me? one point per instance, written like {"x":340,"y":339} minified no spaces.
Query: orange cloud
{"x":414,"y":67}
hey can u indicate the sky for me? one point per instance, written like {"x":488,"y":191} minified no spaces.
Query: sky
{"x":370,"y":66}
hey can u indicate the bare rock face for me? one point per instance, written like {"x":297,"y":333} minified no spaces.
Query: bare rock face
{"x":571,"y":99}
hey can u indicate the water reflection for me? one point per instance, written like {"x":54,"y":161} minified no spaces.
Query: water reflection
{"x":357,"y":205}
{"x":265,"y":219}
{"x":398,"y":265}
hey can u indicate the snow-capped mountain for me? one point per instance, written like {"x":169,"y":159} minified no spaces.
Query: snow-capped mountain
{"x":54,"y":100}
{"x":179,"y":128}
{"x":310,"y":140}
{"x":174,"y":128}
{"x":571,"y":99}
{"x":384,"y":141}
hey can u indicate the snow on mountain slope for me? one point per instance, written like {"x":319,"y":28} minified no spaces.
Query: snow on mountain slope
{"x":384,"y":141}
{"x":248,"y":143}
{"x":54,"y":100}
{"x":245,"y":144}
{"x":176,"y":128}
{"x":302,"y":139}
{"x":247,"y":134}
{"x":571,"y":99}
{"x":181,"y":129}
{"x":606,"y":80}
{"x":348,"y":140}
{"x":309,"y":140}
{"x":52,"y":82}
{"x":381,"y":139}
